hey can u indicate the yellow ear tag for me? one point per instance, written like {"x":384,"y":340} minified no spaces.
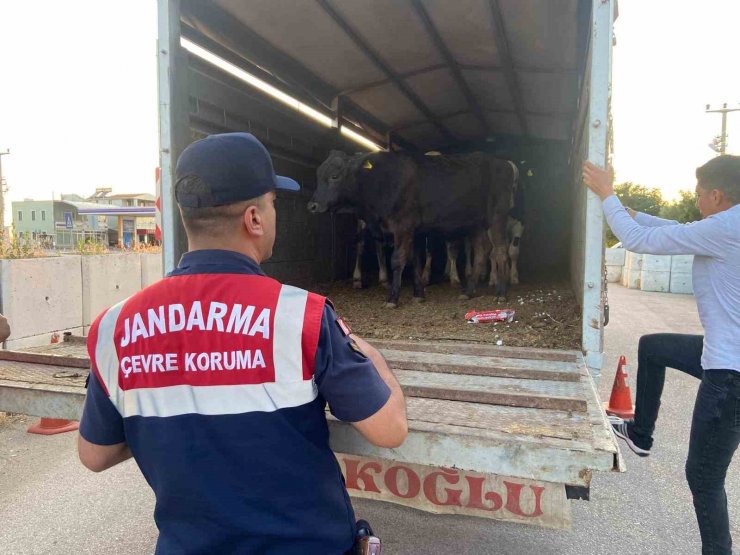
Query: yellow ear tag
{"x":367,"y":165}
{"x":530,"y":173}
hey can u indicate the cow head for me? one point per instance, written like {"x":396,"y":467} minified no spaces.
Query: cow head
{"x":336,"y":182}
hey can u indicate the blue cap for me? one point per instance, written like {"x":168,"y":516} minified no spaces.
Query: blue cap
{"x":233,"y":166}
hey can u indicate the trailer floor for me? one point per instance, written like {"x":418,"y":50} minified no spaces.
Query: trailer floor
{"x":547,"y":315}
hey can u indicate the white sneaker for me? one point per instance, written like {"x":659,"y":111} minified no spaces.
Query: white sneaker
{"x":621,"y":430}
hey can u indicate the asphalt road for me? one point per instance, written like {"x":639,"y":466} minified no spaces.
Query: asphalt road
{"x":50,"y":504}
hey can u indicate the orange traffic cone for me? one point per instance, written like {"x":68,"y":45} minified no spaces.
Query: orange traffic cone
{"x":620,"y":401}
{"x":51,"y":426}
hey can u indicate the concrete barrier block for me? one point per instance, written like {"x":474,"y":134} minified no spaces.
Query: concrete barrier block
{"x":106,"y":280}
{"x":632,"y":279}
{"x":655,"y":281}
{"x":656,"y":263}
{"x":151,"y":268}
{"x":682,"y":263}
{"x":41,"y":295}
{"x":633,"y":260}
{"x":615,"y":257}
{"x":682,"y":283}
{"x":614,"y":274}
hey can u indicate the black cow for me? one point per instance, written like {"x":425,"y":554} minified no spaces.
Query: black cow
{"x":456,"y":196}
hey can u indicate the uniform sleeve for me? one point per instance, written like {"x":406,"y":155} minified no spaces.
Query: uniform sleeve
{"x":101,"y":422}
{"x":708,"y":237}
{"x":345,"y":378}
{"x":649,"y":220}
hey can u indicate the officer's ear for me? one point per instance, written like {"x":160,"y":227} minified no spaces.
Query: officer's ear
{"x":252,"y":220}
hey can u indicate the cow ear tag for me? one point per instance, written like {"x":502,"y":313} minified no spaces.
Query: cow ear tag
{"x":530,"y":173}
{"x":367,"y":165}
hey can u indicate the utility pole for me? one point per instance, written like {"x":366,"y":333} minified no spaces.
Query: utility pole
{"x":720,"y":143}
{"x":3,"y":190}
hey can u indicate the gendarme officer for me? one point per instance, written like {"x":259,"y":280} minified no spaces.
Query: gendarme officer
{"x":215,"y":379}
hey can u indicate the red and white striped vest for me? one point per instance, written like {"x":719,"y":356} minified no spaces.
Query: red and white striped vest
{"x":208,"y":344}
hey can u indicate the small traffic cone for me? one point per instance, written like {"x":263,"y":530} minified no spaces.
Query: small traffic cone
{"x":51,"y":426}
{"x":620,"y":401}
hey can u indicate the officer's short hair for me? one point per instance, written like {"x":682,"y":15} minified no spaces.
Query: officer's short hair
{"x":722,"y":173}
{"x":212,"y":220}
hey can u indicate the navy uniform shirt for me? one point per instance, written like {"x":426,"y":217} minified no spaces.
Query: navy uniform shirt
{"x":257,"y":482}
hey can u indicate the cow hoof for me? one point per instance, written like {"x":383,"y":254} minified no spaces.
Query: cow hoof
{"x":514,"y":281}
{"x":419,"y":300}
{"x":455,"y":283}
{"x":464,"y":297}
{"x":390,"y":305}
{"x":500,"y":299}
{"x":357,"y":285}
{"x":384,"y":284}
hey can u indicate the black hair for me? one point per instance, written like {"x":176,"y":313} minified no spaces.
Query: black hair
{"x":722,"y":173}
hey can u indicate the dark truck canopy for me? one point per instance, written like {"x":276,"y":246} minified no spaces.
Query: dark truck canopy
{"x":434,"y":74}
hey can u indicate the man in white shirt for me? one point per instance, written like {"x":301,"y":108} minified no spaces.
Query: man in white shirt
{"x":715,"y":357}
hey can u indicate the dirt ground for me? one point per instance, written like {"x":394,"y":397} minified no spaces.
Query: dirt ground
{"x":547,"y":314}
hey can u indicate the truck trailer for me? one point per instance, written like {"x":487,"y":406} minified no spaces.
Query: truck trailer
{"x":499,"y":432}
{"x":528,"y":81}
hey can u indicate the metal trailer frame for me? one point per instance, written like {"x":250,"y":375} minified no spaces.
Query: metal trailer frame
{"x":594,"y":283}
{"x":589,"y":140}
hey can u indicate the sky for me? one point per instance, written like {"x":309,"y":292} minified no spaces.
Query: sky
{"x":78,"y":93}
{"x":671,"y":59}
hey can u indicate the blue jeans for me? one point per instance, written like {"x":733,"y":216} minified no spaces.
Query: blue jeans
{"x":715,"y":427}
{"x":715,"y":433}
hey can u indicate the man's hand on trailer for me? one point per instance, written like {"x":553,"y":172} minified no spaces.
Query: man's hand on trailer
{"x":600,"y":181}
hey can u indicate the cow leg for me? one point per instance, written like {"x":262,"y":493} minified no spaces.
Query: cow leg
{"x":402,"y":246}
{"x":419,"y":250}
{"x":517,"y":230}
{"x":382,"y":268}
{"x":357,"y":274}
{"x":453,"y":249}
{"x":468,"y":257}
{"x":480,"y":247}
{"x":426,"y":274}
{"x":499,"y":255}
{"x":492,"y":281}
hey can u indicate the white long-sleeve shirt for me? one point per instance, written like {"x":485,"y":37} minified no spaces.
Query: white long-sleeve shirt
{"x":715,"y":244}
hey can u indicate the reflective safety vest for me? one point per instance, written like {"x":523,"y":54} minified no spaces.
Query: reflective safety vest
{"x":209,"y":344}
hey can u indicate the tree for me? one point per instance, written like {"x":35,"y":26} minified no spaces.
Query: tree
{"x":640,"y":198}
{"x":683,"y":209}
{"x":637,"y":197}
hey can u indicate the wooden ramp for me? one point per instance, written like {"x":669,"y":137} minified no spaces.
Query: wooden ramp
{"x":500,"y":433}
{"x":531,"y":413}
